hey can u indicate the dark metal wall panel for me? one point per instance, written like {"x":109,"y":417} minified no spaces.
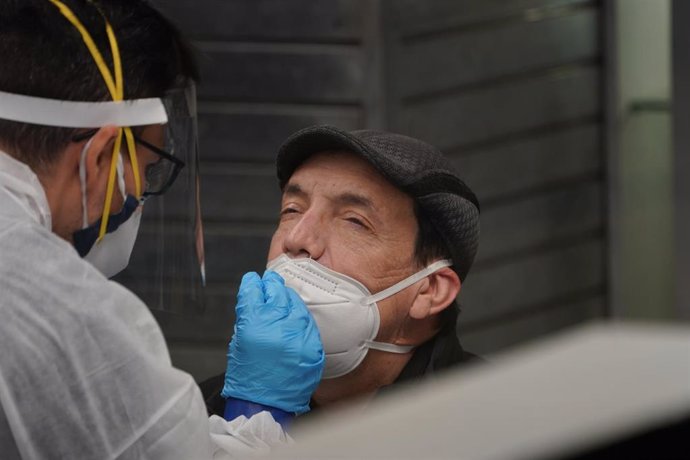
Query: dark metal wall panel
{"x":242,"y":252}
{"x":234,"y":251}
{"x":533,"y":283}
{"x":324,"y":74}
{"x":252,"y":132}
{"x":515,"y":229}
{"x":460,"y":120}
{"x":527,"y":164}
{"x":478,"y":56}
{"x":416,"y":18}
{"x":239,"y":193}
{"x":516,"y":330}
{"x":311,"y":21}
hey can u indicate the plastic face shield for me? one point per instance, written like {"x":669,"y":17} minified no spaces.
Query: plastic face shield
{"x":167,"y":265}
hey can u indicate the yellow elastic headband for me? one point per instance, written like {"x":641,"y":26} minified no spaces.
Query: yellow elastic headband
{"x":116,"y":88}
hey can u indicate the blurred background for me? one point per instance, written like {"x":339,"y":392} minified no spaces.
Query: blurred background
{"x":557,"y":113}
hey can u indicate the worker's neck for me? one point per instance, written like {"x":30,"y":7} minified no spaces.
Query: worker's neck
{"x":61,"y":186}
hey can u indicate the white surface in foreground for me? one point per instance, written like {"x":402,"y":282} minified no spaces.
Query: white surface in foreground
{"x":567,"y":393}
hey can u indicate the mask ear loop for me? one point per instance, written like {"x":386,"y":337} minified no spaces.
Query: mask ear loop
{"x":407,"y":282}
{"x":397,"y":287}
{"x":82,"y":180}
{"x":116,"y":89}
{"x":121,"y":178}
{"x":389,"y":347}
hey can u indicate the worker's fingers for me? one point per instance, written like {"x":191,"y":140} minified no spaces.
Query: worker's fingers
{"x":250,"y":294}
{"x":277,"y":301}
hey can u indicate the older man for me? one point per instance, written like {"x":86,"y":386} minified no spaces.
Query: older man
{"x":377,"y":234}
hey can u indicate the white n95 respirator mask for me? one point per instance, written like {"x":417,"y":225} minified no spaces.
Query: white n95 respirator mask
{"x":344,"y":309}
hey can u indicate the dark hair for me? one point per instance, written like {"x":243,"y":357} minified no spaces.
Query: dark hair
{"x":429,"y":247}
{"x":43,"y":55}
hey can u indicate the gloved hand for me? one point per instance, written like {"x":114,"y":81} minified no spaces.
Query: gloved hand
{"x":276,"y":356}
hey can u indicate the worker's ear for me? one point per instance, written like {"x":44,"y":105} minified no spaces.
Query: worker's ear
{"x":97,"y":161}
{"x":436,"y":293}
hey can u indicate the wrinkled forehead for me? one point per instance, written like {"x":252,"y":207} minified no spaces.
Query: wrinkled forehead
{"x":338,"y":172}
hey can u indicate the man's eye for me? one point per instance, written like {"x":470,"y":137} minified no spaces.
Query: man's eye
{"x":286,"y":211}
{"x":356,"y":221}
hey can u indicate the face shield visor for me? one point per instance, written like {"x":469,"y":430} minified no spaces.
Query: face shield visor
{"x":166,"y":268}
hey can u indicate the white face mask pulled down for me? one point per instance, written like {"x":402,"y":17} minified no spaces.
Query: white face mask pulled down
{"x":110,"y":255}
{"x":344,"y":310}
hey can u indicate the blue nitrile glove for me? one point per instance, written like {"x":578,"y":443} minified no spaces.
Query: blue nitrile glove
{"x":276,"y":356}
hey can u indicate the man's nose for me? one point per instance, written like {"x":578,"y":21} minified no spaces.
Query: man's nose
{"x":306,"y":238}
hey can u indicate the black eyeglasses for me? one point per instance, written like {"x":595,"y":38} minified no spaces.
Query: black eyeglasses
{"x":160,"y":175}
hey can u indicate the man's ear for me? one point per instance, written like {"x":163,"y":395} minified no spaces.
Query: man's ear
{"x":437,"y":292}
{"x":98,"y":156}
{"x":97,"y":165}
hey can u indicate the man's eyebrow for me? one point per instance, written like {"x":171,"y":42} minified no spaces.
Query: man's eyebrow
{"x":354,"y":199}
{"x":343,"y":199}
{"x":294,"y":189}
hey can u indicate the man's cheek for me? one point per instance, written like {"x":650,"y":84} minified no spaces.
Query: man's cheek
{"x":276,"y":247}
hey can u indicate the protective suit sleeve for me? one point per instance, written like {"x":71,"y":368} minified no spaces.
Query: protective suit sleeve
{"x":245,"y":437}
{"x":275,"y":357}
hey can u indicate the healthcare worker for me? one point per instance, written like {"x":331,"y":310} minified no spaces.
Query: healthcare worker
{"x":96,"y":119}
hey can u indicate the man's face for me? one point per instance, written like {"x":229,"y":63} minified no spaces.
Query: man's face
{"x":338,"y":210}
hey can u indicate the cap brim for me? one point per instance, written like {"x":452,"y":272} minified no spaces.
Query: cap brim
{"x":309,"y":141}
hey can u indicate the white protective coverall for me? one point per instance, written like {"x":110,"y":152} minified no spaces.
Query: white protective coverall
{"x":84,"y":369}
